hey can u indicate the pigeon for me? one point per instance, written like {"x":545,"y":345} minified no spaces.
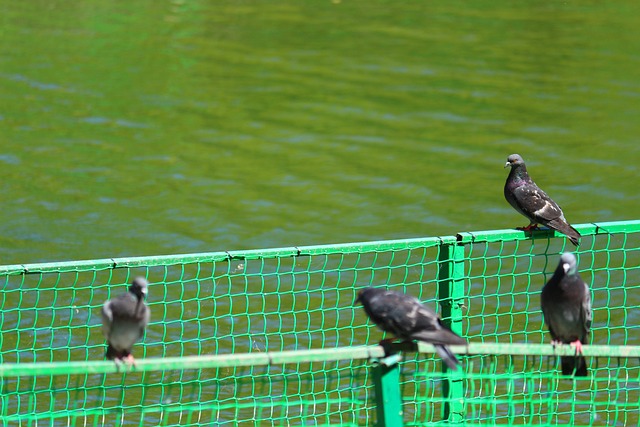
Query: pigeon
{"x":124,"y":320}
{"x":406,"y":318}
{"x":566,"y":307}
{"x":528,"y":199}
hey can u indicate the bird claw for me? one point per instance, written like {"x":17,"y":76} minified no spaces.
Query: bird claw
{"x":126,"y":360}
{"x":529,"y":227}
{"x":578,"y":345}
{"x":129,"y":360}
{"x":118,"y":363}
{"x":387,"y":345}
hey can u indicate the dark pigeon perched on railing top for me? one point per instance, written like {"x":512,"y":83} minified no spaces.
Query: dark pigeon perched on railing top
{"x":528,"y":199}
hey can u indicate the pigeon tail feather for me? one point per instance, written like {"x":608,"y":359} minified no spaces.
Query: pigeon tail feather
{"x":574,"y":364}
{"x":566,"y":229}
{"x":447,"y":356}
{"x":441,"y":336}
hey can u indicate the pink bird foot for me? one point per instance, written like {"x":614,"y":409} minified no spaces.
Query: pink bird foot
{"x":126,"y":360}
{"x":129,"y":360}
{"x":578,"y":345}
{"x":529,"y":227}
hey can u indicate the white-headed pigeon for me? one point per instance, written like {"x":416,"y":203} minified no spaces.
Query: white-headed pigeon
{"x":566,"y":306}
{"x":124,"y":320}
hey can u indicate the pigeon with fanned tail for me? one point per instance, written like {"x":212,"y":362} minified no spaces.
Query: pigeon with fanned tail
{"x":124,"y":320}
{"x":566,"y":307}
{"x":528,"y":199}
{"x":407,"y":319}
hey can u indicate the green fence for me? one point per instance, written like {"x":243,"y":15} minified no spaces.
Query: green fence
{"x":272,"y":337}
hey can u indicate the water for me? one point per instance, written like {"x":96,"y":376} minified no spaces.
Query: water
{"x":147,"y":128}
{"x":189,"y":126}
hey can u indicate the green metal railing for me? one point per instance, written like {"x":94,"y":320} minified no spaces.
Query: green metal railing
{"x":271,"y":337}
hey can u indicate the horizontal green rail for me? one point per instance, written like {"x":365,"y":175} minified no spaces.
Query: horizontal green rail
{"x":373,"y":352}
{"x":540,"y":350}
{"x":588,"y":229}
{"x":193,"y":362}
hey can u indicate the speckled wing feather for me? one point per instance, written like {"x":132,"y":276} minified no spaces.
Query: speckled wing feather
{"x":535,"y":204}
{"x":107,"y":319}
{"x":406,"y":318}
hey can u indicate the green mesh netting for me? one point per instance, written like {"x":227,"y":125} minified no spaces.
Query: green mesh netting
{"x":233,"y":304}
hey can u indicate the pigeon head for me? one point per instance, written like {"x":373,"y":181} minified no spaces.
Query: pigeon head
{"x":366,"y":294}
{"x":139,"y":287}
{"x":513,"y":161}
{"x":569,"y":263}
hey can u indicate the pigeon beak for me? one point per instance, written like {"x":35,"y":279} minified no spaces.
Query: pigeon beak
{"x":358,"y":299}
{"x":506,"y":165}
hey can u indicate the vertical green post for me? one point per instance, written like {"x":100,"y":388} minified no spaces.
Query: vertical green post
{"x":451,"y":298}
{"x":386,"y":380}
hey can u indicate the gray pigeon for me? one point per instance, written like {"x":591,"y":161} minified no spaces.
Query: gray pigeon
{"x":528,"y":199}
{"x":406,"y":318}
{"x":566,"y":306}
{"x":124,"y":319}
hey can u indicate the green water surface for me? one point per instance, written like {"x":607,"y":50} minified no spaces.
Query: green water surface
{"x":141,"y":128}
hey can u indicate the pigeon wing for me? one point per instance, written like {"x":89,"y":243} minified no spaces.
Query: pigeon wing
{"x":427,"y":326}
{"x":397,"y":313}
{"x":549,"y":319}
{"x":144,"y":318}
{"x":587,"y":315}
{"x":378,"y":308}
{"x":535,"y":203}
{"x":400,"y":314}
{"x":107,"y":319}
{"x":547,"y":298}
{"x":425,"y":319}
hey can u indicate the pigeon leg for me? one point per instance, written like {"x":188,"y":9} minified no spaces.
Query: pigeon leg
{"x":129,"y":360}
{"x":387,"y":345}
{"x":530,"y":227}
{"x":578,"y":345}
{"x":118,"y":363}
